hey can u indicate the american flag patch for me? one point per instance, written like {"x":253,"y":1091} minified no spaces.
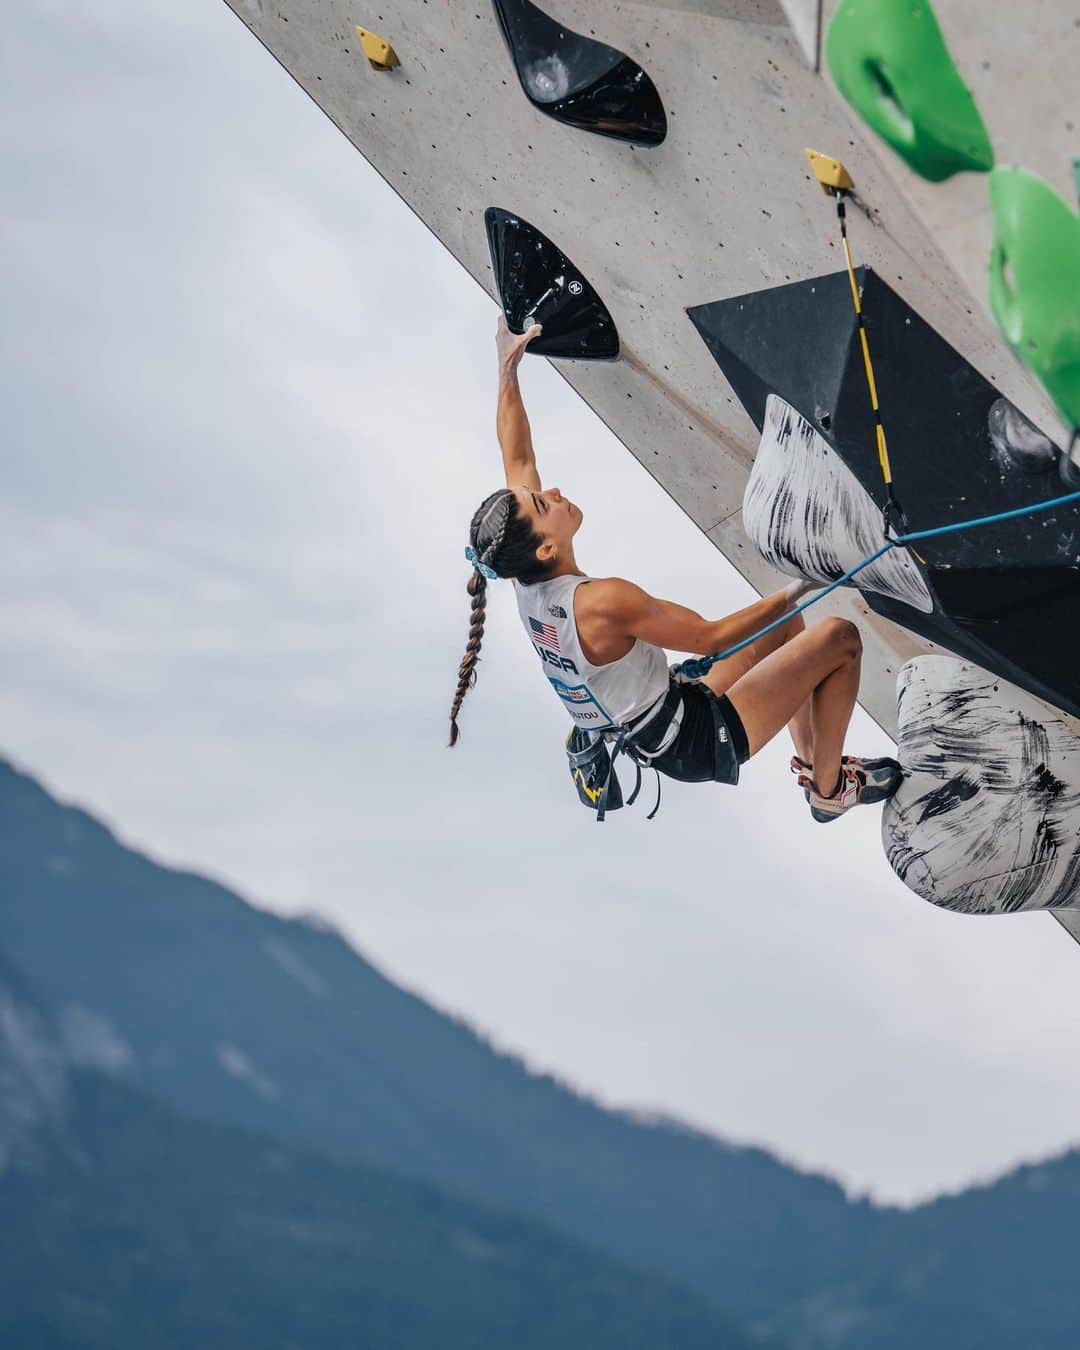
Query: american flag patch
{"x":544,"y":634}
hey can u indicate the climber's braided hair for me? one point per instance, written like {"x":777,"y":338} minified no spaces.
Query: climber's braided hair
{"x":504,"y":540}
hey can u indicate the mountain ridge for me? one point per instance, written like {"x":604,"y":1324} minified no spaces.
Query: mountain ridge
{"x":178,"y":966}
{"x":229,"y":1015}
{"x":129,"y":1224}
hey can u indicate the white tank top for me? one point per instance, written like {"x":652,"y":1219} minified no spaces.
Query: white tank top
{"x":598,"y":698}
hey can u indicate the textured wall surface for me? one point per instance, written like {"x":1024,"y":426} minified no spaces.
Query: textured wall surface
{"x":725,"y":206}
{"x":988,"y":818}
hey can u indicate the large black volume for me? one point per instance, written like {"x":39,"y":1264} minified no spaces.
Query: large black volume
{"x":539,"y":284}
{"x":1007,"y":596}
{"x":584,"y":83}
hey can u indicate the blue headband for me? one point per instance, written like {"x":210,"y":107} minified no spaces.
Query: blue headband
{"x":481,"y":567}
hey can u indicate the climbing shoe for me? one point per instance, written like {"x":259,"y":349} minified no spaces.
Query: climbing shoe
{"x":862,"y":782}
{"x":805,"y":772}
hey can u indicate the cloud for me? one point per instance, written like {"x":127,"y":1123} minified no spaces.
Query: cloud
{"x":250,"y":403}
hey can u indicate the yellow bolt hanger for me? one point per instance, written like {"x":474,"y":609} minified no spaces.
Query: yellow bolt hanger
{"x":830,"y":173}
{"x":377,"y":50}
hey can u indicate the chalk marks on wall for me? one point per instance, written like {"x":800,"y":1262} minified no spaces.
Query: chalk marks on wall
{"x":809,"y":515}
{"x":987,"y":820}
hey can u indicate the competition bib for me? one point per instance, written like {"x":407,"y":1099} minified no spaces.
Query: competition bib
{"x":582,"y":707}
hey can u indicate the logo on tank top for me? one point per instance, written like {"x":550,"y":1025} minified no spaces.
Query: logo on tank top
{"x":557,"y":611}
{"x":581,"y":705}
{"x":571,"y":693}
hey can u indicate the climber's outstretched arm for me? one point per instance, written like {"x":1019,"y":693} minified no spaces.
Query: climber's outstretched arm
{"x":619,"y":608}
{"x":511,"y":421}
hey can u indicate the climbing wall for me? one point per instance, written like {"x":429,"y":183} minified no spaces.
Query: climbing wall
{"x":987,"y":820}
{"x":1020,"y":64}
{"x":1007,"y":594}
{"x":723,"y":206}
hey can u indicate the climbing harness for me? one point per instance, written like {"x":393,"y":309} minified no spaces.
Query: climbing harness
{"x":592,"y":769}
{"x":592,"y":764}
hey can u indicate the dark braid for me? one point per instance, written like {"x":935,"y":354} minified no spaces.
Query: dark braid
{"x":477,"y":588}
{"x":503,"y":540}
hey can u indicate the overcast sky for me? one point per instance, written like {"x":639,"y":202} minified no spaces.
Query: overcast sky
{"x":248,"y":411}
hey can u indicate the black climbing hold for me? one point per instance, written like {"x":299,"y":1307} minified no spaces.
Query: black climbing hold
{"x":751,"y":338}
{"x":539,"y":284}
{"x":1007,"y":595}
{"x":584,"y":83}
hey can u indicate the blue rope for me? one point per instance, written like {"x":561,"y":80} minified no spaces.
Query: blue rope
{"x":1016,"y":512}
{"x":697,"y":667}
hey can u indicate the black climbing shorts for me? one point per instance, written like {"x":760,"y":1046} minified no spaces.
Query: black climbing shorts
{"x":711,"y":743}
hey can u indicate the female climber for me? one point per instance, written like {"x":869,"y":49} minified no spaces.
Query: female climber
{"x":601,"y":644}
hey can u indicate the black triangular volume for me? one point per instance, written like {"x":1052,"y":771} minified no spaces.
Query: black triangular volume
{"x":788,"y":340}
{"x":801,"y":341}
{"x":539,"y":284}
{"x":581,"y":82}
{"x":1007,"y":595}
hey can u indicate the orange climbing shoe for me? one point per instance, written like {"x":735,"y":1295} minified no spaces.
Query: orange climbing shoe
{"x":862,"y":782}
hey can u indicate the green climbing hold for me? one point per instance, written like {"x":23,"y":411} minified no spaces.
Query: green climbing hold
{"x":1035,"y":281}
{"x":890,"y":62}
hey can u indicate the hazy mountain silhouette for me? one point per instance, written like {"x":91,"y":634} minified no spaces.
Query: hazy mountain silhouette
{"x":126,"y":1224}
{"x":236,"y":1016}
{"x":175,"y":986}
